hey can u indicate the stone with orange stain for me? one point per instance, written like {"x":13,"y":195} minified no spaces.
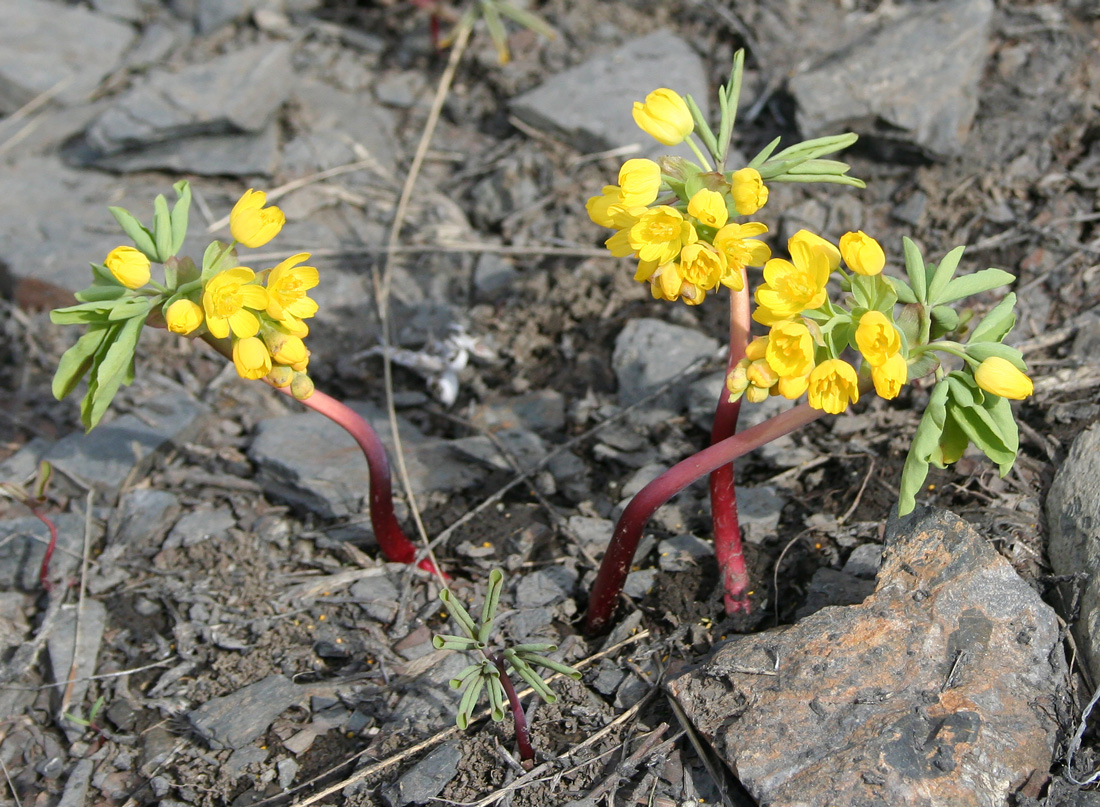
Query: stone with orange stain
{"x":942,"y":688}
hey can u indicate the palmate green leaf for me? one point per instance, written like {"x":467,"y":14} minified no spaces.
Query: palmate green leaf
{"x":135,"y":231}
{"x":980,"y":427}
{"x":112,"y":367}
{"x":925,"y":442}
{"x":77,"y":360}
{"x":180,"y":211}
{"x":943,"y":274}
{"x":983,"y":350}
{"x":998,"y":322}
{"x":914,"y":268}
{"x":976,"y":283}
{"x":162,"y":228}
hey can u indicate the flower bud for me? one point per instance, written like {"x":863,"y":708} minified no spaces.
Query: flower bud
{"x":761,"y":374}
{"x":890,"y":376}
{"x":251,"y":358}
{"x":749,"y":191}
{"x":862,"y":253}
{"x":301,"y":387}
{"x":252,"y":224}
{"x":757,"y":394}
{"x":285,"y":348}
{"x":664,"y":116}
{"x":1001,"y":377}
{"x":129,"y":266}
{"x":818,"y":244}
{"x":280,"y":376}
{"x":183,"y":316}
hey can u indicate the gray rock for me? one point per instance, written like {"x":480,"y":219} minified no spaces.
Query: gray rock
{"x":235,"y":720}
{"x":608,"y":678}
{"x":542,"y":411}
{"x":682,"y":553}
{"x":593,"y":533}
{"x":941,"y":688}
{"x":240,"y":155}
{"x":76,"y":785}
{"x":60,"y":645}
{"x":639,"y":583}
{"x":570,"y":475}
{"x":143,"y":517}
{"x":758,"y":511}
{"x":288,"y":769}
{"x":865,"y":561}
{"x":200,"y":524}
{"x":313,"y":463}
{"x":378,"y":596}
{"x":23,"y":544}
{"x":494,"y":277}
{"x":833,"y":587}
{"x":106,"y":456}
{"x":591,"y":105}
{"x":640,"y":478}
{"x":890,"y":83}
{"x":13,"y":623}
{"x":515,"y":185}
{"x":525,"y":448}
{"x":545,"y":587}
{"x":1071,"y":514}
{"x":46,"y":45}
{"x":427,"y":778}
{"x":648,"y":352}
{"x":128,"y":10}
{"x":232,"y":94}
{"x":22,"y":466}
{"x":243,"y":757}
{"x":401,"y":88}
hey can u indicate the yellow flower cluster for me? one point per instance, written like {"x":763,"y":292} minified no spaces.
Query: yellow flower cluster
{"x":262,"y":314}
{"x":794,"y":358}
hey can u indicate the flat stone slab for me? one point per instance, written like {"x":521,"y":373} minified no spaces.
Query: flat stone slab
{"x":648,"y":352}
{"x":235,"y":720}
{"x":591,"y":105}
{"x":939,"y":689}
{"x":912,"y":78}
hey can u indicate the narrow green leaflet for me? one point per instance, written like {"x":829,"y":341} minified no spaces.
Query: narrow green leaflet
{"x":126,"y":309}
{"x":944,"y":320}
{"x":135,"y":231}
{"x":953,"y":443}
{"x":925,"y":442}
{"x":180,"y":211}
{"x":976,"y":283}
{"x":77,"y":360}
{"x":998,"y":322}
{"x":97,"y":293}
{"x":982,"y":431}
{"x":111,"y":371}
{"x":217,"y":258}
{"x":702,"y":128}
{"x":943,"y":274}
{"x":983,"y":350}
{"x":527,"y":19}
{"x":903,"y":290}
{"x":162,"y":228}
{"x":914,"y":268}
{"x":764,"y":154}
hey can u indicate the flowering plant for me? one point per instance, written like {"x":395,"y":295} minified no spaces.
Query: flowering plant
{"x":837,"y":325}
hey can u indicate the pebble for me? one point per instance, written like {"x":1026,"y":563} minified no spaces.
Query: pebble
{"x":545,"y":587}
{"x":649,"y":352}
{"x":865,"y":561}
{"x":542,"y":411}
{"x":76,"y":785}
{"x":683,"y":553}
{"x":60,"y":646}
{"x":941,"y":688}
{"x":142,"y":517}
{"x":23,"y":544}
{"x":524,"y":448}
{"x":424,"y":780}
{"x":758,"y":511}
{"x":235,"y":720}
{"x":1071,"y":515}
{"x":494,"y":277}
{"x":200,"y":524}
{"x":590,"y":106}
{"x":903,"y":65}
{"x":377,"y":596}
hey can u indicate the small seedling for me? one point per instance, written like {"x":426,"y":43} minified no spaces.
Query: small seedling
{"x":492,"y":674}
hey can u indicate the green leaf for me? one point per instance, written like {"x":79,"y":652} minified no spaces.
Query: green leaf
{"x":97,"y":293}
{"x":527,"y":19}
{"x":908,"y":323}
{"x":460,"y":615}
{"x":112,"y":371}
{"x":460,"y":679}
{"x":964,"y":390}
{"x":1000,"y":413}
{"x":217,"y":258}
{"x":925,"y":442}
{"x":976,"y":283}
{"x":944,"y":320}
{"x":162,"y":228}
{"x":863,"y":291}
{"x":979,"y":426}
{"x":980,"y":351}
{"x":924,"y":364}
{"x":702,"y":128}
{"x":952,"y":445}
{"x":492,"y":598}
{"x":914,"y":268}
{"x":944,"y":273}
{"x":550,"y":664}
{"x":77,"y":360}
{"x":125,"y":309}
{"x":136,"y":232}
{"x":764,"y":154}
{"x":903,"y":290}
{"x":443,"y":641}
{"x":998,"y":322}
{"x":180,"y":211}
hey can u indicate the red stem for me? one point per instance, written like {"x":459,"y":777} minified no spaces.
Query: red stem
{"x":620,"y":552}
{"x":723,"y":493}
{"x":44,"y":572}
{"x":523,"y":731}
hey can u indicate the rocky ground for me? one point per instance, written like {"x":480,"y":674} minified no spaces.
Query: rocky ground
{"x":220,"y":628}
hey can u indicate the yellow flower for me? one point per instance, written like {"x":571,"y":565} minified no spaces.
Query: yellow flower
{"x":792,"y":287}
{"x":667,"y":283}
{"x":251,"y":358}
{"x":285,"y":348}
{"x":287,"y":285}
{"x":1001,"y":377}
{"x":129,"y":266}
{"x":749,"y":191}
{"x":702,"y":265}
{"x":659,"y":234}
{"x":818,"y":243}
{"x":226,"y":299}
{"x":832,"y":385}
{"x":790,"y":349}
{"x":757,"y":348}
{"x":599,"y":207}
{"x":890,"y":376}
{"x":792,"y":387}
{"x":664,"y":116}
{"x":761,"y":374}
{"x":709,"y":208}
{"x":183,"y":316}
{"x":639,"y":182}
{"x":251,"y":223}
{"x":862,"y":253}
{"x":741,"y":248}
{"x":877,"y":338}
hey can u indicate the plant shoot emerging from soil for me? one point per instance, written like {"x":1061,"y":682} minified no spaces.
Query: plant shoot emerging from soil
{"x":838,"y":326}
{"x":493,"y":672}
